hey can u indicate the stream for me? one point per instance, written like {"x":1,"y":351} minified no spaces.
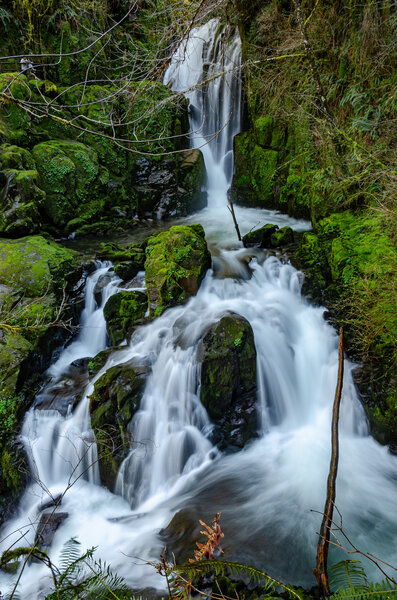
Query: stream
{"x":268,"y":491}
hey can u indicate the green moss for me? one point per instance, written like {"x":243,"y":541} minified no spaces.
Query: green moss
{"x":14,"y":157}
{"x":69,"y":174}
{"x":34,"y":264}
{"x":114,"y":401}
{"x":121,"y":313}
{"x":176,"y":261}
{"x":263,"y":127}
{"x":282,"y":237}
{"x":228,"y":378}
{"x":256,"y":171}
{"x":261,"y":236}
{"x":15,"y":84}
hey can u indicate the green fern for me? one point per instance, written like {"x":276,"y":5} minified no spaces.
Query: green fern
{"x":223,"y":567}
{"x":349,"y":581}
{"x":83,"y":577}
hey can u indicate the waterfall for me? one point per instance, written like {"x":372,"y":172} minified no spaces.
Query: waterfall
{"x":212,"y":53}
{"x":268,"y":491}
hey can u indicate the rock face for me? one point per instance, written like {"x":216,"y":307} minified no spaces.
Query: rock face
{"x":176,"y":262}
{"x":114,"y":401}
{"x":122,"y":312}
{"x":228,"y":380}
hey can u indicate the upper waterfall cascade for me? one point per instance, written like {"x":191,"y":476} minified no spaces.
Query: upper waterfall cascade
{"x":211,"y":54}
{"x":268,"y":491}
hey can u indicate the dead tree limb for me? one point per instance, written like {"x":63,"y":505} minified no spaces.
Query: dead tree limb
{"x":323,"y":543}
{"x":231,"y":208}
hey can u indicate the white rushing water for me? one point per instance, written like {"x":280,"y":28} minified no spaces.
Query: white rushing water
{"x":267,"y":491}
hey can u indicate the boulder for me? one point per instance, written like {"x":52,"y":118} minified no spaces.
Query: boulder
{"x":72,"y":179}
{"x":114,"y":401}
{"x":228,"y":380}
{"x":33,"y":271}
{"x":176,"y":262}
{"x":50,"y":521}
{"x":261,"y":236}
{"x":282,"y":237}
{"x":122,"y":312}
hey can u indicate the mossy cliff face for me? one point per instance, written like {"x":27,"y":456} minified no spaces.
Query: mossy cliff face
{"x":350,"y":263}
{"x":335,"y":163}
{"x":113,"y":403}
{"x":228,"y":380}
{"x":176,"y":262}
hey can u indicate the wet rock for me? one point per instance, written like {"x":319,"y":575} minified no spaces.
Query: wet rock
{"x":228,"y":380}
{"x":65,"y":392}
{"x":261,"y":236}
{"x":127,"y":261}
{"x":101,"y":284}
{"x":55,"y":501}
{"x":176,"y":263}
{"x":124,"y":311}
{"x":49,"y":522}
{"x":114,"y":401}
{"x":282,"y":237}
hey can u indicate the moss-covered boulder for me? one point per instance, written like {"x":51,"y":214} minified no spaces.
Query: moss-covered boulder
{"x":176,"y":262}
{"x":124,"y":311}
{"x":228,"y":380}
{"x":282,"y":237}
{"x":114,"y":401}
{"x":260,"y":237}
{"x":20,"y":202}
{"x":33,"y":271}
{"x":71,"y":177}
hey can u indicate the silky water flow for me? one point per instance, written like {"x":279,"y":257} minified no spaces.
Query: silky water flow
{"x":268,"y":491}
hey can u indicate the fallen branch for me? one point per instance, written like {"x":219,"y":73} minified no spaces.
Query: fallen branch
{"x":323,"y":543}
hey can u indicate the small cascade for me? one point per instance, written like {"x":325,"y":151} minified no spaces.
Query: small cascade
{"x":212,"y":53}
{"x":61,"y":448}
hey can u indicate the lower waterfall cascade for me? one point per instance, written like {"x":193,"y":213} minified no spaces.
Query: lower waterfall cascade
{"x":269,"y":491}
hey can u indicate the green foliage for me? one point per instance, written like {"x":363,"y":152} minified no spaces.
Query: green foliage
{"x":348,"y":580}
{"x":81,"y":576}
{"x":8,"y":415}
{"x":224,"y":567}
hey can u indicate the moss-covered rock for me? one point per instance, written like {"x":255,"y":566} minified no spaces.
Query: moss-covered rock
{"x":33,"y":271}
{"x":175,"y":265}
{"x":282,"y":237}
{"x":122,"y":312}
{"x":261,"y":236}
{"x":71,"y":177}
{"x":228,"y":380}
{"x":35,"y":264}
{"x":20,"y":202}
{"x":114,"y":401}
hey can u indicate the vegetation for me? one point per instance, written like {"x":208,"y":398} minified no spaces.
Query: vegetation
{"x":333,"y":159}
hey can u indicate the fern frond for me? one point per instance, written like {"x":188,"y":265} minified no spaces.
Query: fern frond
{"x":378,"y":591}
{"x":221,"y":567}
{"x":347,"y":574}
